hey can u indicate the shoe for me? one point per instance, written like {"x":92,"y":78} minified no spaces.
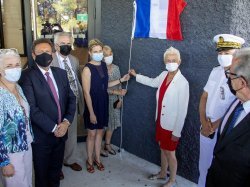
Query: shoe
{"x":111,"y":150}
{"x":99,"y":165}
{"x":90,"y":168}
{"x":104,"y":153}
{"x":61,"y":175}
{"x":74,"y":166}
{"x":170,"y":184}
{"x":156,"y":177}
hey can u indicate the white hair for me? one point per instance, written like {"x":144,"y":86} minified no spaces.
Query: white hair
{"x":172,"y":51}
{"x":242,"y":67}
{"x":60,"y":34}
{"x":8,"y":53}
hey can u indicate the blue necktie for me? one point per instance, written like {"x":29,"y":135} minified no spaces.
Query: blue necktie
{"x":236,"y":114}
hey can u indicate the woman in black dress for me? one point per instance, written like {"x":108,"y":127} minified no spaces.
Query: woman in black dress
{"x":95,"y":85}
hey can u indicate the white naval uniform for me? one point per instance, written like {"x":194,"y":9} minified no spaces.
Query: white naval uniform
{"x":218,"y":101}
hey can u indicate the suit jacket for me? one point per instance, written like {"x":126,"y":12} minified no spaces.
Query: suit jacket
{"x":43,"y":108}
{"x":76,"y":68}
{"x":231,"y":162}
{"x":174,"y":103}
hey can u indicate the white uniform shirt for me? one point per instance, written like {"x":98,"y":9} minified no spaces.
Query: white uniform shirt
{"x":219,"y":94}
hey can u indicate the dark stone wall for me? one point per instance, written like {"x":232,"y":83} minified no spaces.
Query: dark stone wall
{"x":201,"y":21}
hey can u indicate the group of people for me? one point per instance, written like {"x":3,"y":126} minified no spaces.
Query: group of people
{"x":39,"y":108}
{"x":38,"y":119}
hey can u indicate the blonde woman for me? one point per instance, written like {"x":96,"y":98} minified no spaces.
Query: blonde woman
{"x":95,"y":86}
{"x":172,"y":102}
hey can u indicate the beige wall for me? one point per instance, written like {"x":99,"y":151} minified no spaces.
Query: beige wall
{"x":12,"y":25}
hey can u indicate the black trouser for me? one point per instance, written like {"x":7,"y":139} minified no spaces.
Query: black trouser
{"x":48,"y":161}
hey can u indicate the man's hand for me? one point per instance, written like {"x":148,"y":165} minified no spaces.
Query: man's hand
{"x":61,"y":129}
{"x":8,"y":171}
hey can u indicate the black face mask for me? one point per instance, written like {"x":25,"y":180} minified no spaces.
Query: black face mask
{"x":65,"y":49}
{"x":43,"y":59}
{"x":229,"y":82}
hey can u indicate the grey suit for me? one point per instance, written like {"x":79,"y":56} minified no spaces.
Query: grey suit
{"x":70,"y":155}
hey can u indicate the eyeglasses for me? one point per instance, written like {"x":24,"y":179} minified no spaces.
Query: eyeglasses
{"x":227,"y":72}
{"x":171,"y":61}
{"x":11,"y":51}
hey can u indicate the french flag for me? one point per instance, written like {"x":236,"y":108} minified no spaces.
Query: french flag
{"x":158,"y":19}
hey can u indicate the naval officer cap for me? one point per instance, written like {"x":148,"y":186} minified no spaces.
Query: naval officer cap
{"x":228,"y":41}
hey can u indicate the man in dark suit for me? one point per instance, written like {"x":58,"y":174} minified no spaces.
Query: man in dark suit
{"x":52,"y":109}
{"x":231,"y":161}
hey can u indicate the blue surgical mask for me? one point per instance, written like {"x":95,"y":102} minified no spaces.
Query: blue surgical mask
{"x":97,"y":57}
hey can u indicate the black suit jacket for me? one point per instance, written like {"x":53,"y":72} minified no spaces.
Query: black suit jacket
{"x":43,"y":108}
{"x":231,"y":162}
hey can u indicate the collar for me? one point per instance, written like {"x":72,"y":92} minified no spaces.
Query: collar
{"x":60,"y":58}
{"x":246,"y":106}
{"x":43,"y":71}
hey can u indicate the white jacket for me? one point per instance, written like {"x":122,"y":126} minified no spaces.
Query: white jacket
{"x":174,"y":103}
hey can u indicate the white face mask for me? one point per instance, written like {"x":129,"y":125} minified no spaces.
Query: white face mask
{"x":172,"y":66}
{"x":108,"y":59}
{"x":12,"y":75}
{"x":225,"y":60}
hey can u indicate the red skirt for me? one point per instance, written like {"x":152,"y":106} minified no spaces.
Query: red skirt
{"x":163,"y":137}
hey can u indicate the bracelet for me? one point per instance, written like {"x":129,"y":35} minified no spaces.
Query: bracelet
{"x":120,"y":81}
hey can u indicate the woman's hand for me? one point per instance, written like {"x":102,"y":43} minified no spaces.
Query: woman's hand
{"x":122,"y":92}
{"x":132,"y":72}
{"x":8,"y":171}
{"x":125,"y":78}
{"x":93,"y":119}
{"x":119,"y":104}
{"x":174,"y":138}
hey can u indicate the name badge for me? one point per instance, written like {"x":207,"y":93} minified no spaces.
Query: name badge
{"x":222,"y":93}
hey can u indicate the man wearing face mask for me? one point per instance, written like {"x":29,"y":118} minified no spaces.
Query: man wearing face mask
{"x":230,"y":164}
{"x":215,"y":100}
{"x":63,"y":59}
{"x":52,"y":110}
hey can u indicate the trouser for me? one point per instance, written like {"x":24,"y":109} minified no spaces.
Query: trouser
{"x":70,"y":153}
{"x":22,"y":162}
{"x":206,"y":156}
{"x":48,"y":161}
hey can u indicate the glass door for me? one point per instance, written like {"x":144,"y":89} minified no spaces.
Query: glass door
{"x":12,"y":25}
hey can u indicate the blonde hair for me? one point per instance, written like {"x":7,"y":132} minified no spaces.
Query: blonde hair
{"x":107,"y":49}
{"x":93,"y":43}
{"x":172,"y":51}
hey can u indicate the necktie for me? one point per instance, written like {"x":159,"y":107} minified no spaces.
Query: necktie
{"x":71,"y":78}
{"x":236,"y":114}
{"x":53,"y":90}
